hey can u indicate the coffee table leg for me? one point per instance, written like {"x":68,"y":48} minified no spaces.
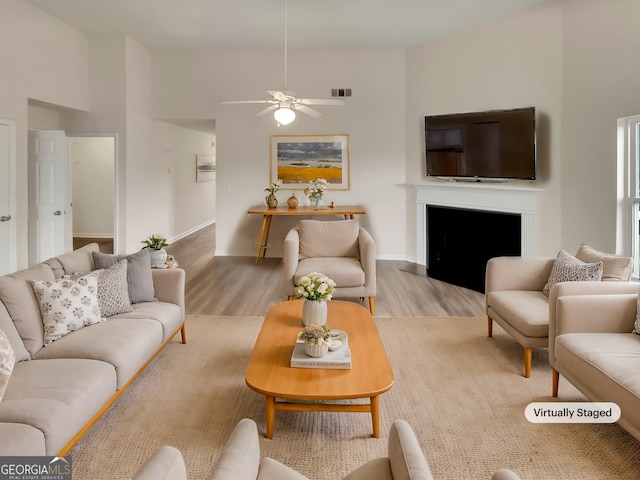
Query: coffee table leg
{"x":375,"y":416}
{"x":270,"y":410}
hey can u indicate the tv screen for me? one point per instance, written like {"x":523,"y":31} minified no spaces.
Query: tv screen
{"x":498,"y":144}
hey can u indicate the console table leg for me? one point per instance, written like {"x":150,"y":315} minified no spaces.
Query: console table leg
{"x":270,"y":414}
{"x":375,"y":416}
{"x":264,"y":237}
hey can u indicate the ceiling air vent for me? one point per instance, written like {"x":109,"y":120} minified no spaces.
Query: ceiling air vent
{"x":340,"y":92}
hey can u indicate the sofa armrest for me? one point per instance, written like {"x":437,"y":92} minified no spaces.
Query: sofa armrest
{"x":240,"y":457}
{"x":518,"y":273}
{"x":405,"y":454}
{"x":368,"y":260}
{"x":169,"y":285}
{"x":166,"y":464}
{"x":291,"y":259}
{"x":271,"y":469}
{"x":591,"y":314}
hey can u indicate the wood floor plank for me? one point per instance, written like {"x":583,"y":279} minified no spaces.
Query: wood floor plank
{"x":236,"y":286}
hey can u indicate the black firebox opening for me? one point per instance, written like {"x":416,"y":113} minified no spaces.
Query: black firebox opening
{"x":460,"y":242}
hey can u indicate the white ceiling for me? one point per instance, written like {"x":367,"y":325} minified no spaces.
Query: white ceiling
{"x":259,"y":24}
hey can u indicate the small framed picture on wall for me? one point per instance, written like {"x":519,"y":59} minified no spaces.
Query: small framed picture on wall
{"x":205,"y":167}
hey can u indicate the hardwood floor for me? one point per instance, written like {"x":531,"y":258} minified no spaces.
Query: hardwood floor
{"x":236,"y":286}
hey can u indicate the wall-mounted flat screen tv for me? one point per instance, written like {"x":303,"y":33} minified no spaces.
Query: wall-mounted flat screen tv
{"x":497,"y":144}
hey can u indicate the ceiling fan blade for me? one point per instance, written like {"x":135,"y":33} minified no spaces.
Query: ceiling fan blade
{"x":308,"y":111}
{"x":246,"y":101}
{"x":267,"y":110}
{"x":323,"y":101}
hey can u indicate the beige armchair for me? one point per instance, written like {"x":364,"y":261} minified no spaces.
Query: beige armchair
{"x":240,"y":459}
{"x":514,"y":294}
{"x":341,"y":249}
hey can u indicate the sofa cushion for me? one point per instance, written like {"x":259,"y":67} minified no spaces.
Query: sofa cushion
{"x":57,"y":397}
{"x":337,"y":238}
{"x":19,"y":298}
{"x":614,"y":267}
{"x":168,"y":315}
{"x":18,"y":439}
{"x":67,"y":305}
{"x":7,"y":360}
{"x":567,"y":268}
{"x":139,"y":275}
{"x":125,"y":343}
{"x":604,"y":366}
{"x":79,"y":260}
{"x":8,"y":327}
{"x":526,"y":311}
{"x":346,"y":272}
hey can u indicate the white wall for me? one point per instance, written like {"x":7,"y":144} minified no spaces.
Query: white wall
{"x":34,"y":67}
{"x":193,"y":203}
{"x":192,"y":85}
{"x":514,"y":62}
{"x":601,"y":84}
{"x":92,"y":186}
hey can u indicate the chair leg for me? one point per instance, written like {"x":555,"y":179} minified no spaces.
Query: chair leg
{"x":183,"y":333}
{"x":555,"y":382}
{"x":489,"y":326}
{"x":528,"y":354}
{"x":372,"y":306}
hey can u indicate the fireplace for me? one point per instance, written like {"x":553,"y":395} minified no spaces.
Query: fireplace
{"x":519,"y":201}
{"x":461,"y":241}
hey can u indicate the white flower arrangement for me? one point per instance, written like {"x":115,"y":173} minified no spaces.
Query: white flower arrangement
{"x":315,"y":286}
{"x":316,"y":189}
{"x":274,"y":187}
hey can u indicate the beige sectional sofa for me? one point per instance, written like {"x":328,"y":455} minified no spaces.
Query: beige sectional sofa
{"x":591,"y":344}
{"x":58,"y":390}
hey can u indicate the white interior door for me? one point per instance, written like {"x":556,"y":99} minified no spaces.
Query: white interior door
{"x":49,"y":198}
{"x":8,"y":251}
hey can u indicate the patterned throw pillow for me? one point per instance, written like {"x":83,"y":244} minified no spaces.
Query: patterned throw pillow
{"x":67,"y":305}
{"x":7,"y":360}
{"x":567,"y":268}
{"x":113,"y":289}
{"x":636,"y":325}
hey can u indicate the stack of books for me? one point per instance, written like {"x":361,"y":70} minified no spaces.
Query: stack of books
{"x":339,"y":359}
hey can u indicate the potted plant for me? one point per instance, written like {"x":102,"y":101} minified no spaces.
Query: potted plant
{"x":316,"y":289}
{"x":316,"y":340}
{"x":272,"y":201}
{"x":155,"y":245}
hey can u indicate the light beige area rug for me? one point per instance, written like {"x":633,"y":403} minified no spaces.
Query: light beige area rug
{"x":463,"y":394}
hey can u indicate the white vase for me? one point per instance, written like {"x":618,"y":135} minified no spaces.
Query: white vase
{"x":158,"y":258}
{"x":315,"y":202}
{"x":314,"y":350}
{"x":314,"y":312}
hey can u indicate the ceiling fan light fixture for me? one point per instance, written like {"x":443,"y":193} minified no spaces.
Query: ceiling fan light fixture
{"x":284,"y":115}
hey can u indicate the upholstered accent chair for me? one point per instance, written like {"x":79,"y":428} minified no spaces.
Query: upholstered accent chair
{"x":521,"y":293}
{"x":340,"y":249}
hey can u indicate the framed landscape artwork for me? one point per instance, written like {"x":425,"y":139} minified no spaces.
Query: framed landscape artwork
{"x":300,"y":159}
{"x":205,"y":167}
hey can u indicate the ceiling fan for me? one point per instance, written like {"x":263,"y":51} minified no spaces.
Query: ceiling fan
{"x":284,"y":103}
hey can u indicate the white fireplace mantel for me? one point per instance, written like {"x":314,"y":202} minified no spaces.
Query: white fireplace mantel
{"x":477,"y":196}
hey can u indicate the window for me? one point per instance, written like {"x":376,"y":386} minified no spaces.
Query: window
{"x":628,"y":188}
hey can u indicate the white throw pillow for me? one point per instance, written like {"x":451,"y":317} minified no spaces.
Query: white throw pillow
{"x":7,"y":361}
{"x":67,"y":305}
{"x":567,"y":268}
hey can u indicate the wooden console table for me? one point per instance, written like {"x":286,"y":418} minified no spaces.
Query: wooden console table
{"x":348,"y":211}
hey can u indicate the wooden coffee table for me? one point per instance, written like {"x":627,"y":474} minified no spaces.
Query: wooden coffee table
{"x":270,"y":374}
